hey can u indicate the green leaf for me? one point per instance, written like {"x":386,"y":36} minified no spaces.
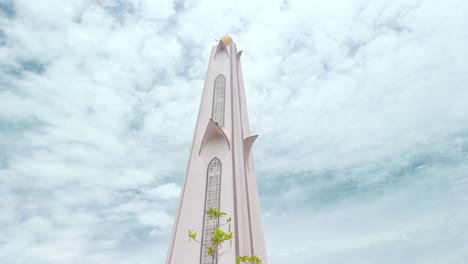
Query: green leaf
{"x":248,"y":259}
{"x":192,"y":235}
{"x":213,"y":213}
{"x":210,"y":251}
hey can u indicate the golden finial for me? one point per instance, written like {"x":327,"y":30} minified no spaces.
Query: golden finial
{"x":226,"y":39}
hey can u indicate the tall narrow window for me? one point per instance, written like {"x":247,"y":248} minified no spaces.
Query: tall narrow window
{"x":218,"y":99}
{"x":211,"y":201}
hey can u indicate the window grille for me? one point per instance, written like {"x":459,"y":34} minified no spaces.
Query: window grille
{"x":218,"y":100}
{"x":212,"y":201}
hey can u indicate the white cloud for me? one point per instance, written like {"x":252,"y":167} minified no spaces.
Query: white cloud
{"x":360,"y":107}
{"x":165,"y":191}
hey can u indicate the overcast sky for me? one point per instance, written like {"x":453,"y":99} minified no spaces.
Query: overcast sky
{"x":361,"y":107}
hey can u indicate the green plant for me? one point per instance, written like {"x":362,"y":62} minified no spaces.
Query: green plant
{"x":218,"y":237}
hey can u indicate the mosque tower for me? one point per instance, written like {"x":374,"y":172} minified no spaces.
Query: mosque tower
{"x":220,"y":172}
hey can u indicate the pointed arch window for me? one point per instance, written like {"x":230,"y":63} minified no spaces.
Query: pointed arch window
{"x":211,"y":201}
{"x":218,"y":99}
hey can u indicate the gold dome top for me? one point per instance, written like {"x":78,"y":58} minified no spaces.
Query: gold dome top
{"x":226,"y":39}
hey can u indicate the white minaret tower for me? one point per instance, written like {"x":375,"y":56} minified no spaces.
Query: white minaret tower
{"x":220,"y":171}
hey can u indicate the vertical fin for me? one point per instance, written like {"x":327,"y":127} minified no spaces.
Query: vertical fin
{"x":248,"y":143}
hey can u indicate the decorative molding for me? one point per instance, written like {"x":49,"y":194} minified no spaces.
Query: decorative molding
{"x":220,"y":48}
{"x":213,"y":131}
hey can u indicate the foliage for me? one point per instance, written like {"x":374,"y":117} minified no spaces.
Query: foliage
{"x":213,"y":213}
{"x":218,"y":237}
{"x":248,"y":259}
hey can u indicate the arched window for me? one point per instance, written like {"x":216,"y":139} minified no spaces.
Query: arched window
{"x":211,"y":201}
{"x":218,"y":100}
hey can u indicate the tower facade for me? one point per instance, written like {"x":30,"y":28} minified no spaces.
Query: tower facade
{"x":220,"y":172}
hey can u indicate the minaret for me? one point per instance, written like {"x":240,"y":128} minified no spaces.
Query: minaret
{"x":220,"y":172}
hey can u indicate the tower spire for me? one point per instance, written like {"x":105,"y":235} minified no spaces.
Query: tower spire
{"x":220,"y":172}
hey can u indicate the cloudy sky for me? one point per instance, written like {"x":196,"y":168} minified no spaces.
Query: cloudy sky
{"x":361,"y":107}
